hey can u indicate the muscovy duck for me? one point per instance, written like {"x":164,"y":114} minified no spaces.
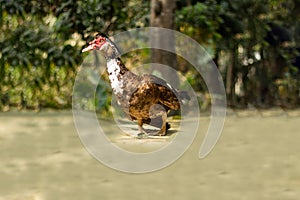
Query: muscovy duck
{"x":144,"y":98}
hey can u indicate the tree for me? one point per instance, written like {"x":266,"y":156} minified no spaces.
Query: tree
{"x":255,"y":46}
{"x":163,"y":15}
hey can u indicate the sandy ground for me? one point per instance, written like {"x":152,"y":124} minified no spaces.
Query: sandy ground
{"x":257,"y":157}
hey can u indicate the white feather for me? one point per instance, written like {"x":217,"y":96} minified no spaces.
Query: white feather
{"x":113,"y":70}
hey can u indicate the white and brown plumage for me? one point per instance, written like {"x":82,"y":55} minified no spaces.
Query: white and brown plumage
{"x":144,"y":98}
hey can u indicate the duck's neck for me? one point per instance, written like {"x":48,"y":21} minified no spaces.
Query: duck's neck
{"x":116,"y":66}
{"x":114,"y":63}
{"x":110,"y":51}
{"x":116,"y":72}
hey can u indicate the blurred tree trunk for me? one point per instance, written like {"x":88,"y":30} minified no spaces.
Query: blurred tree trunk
{"x":163,"y":15}
{"x":230,"y":75}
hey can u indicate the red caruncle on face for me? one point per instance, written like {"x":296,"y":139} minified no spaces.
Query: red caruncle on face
{"x":98,"y":42}
{"x":95,"y":44}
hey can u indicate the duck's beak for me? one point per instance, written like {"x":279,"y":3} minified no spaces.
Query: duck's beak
{"x":88,"y":48}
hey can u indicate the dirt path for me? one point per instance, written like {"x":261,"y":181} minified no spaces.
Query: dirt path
{"x":257,"y":157}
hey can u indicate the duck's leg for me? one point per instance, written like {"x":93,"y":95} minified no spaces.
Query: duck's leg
{"x":163,"y":129}
{"x":141,"y":129}
{"x":143,"y":134}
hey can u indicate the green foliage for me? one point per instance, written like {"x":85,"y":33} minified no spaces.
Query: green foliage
{"x":92,"y":93}
{"x":252,"y":40}
{"x":200,"y":20}
{"x":41,"y":44}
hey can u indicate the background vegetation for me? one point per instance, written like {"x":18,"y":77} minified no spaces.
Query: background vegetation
{"x":255,"y":44}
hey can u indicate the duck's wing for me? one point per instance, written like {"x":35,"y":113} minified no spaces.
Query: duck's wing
{"x":164,"y":92}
